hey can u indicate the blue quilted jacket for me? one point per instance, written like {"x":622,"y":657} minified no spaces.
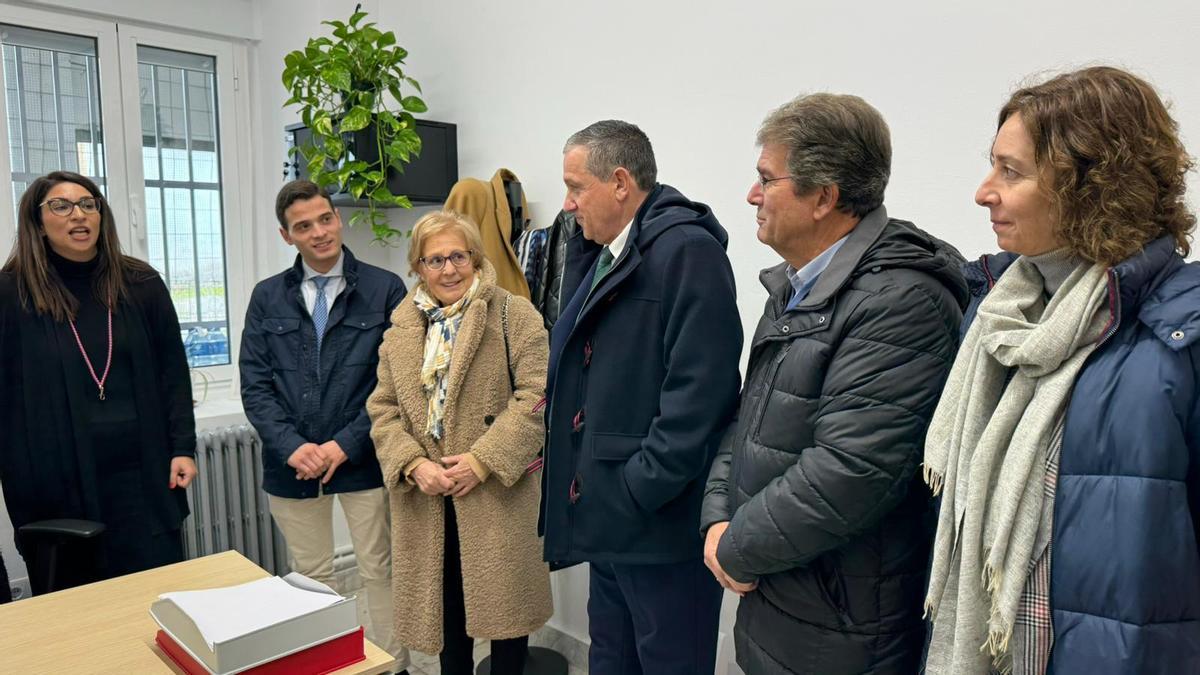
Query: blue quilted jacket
{"x":1125,"y":566}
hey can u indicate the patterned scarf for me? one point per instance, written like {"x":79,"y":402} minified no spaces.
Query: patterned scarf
{"x":986,"y":454}
{"x":444,"y":323}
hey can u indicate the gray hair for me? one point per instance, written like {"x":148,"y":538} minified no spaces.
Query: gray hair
{"x":613,"y":143}
{"x":834,"y":139}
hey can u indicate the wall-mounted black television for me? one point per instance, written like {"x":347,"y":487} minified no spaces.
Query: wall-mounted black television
{"x":427,"y":179}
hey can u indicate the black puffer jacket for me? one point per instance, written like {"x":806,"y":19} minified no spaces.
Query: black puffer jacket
{"x":819,"y":474}
{"x":549,"y":300}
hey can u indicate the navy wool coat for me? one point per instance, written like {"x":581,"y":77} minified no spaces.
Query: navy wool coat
{"x":643,"y":378}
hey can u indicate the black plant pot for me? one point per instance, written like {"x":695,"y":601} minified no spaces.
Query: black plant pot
{"x":427,"y":179}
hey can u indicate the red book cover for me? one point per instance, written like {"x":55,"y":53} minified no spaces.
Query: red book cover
{"x":316,"y":660}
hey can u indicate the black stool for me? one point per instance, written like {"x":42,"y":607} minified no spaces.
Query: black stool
{"x":541,"y":661}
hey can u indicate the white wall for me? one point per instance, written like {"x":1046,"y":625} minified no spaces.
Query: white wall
{"x":699,"y":76}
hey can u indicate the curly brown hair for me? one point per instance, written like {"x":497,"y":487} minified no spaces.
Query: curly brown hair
{"x":1111,"y":160}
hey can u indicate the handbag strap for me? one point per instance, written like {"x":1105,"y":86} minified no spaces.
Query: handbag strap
{"x":512,"y":380}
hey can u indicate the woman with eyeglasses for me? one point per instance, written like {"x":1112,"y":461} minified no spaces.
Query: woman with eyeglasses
{"x":95,"y":396}
{"x":1066,"y":445}
{"x":457,"y":424}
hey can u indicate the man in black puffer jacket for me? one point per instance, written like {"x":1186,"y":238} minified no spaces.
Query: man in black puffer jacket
{"x":814,"y":509}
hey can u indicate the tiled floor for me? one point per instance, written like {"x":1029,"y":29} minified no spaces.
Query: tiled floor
{"x":576,"y":653}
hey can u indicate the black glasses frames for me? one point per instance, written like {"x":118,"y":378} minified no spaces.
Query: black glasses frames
{"x":63,"y":207}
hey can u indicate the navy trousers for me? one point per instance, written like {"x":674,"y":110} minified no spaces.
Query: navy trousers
{"x":653,"y":619}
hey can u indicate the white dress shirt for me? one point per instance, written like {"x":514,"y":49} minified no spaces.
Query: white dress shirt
{"x":617,"y":246}
{"x":336,"y":283}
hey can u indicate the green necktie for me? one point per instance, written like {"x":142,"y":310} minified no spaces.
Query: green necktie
{"x":605,"y":264}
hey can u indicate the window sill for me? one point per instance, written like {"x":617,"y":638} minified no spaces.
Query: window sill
{"x":219,"y":410}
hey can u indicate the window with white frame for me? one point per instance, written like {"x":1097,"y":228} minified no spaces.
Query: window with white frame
{"x":53,"y":93}
{"x":181,"y":168}
{"x":70,"y":85}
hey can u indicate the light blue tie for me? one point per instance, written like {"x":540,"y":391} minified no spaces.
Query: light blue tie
{"x":320,"y":309}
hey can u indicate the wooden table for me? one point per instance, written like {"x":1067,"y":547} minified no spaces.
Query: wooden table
{"x":106,"y":627}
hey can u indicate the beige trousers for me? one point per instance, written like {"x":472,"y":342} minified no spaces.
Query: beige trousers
{"x":307,"y":524}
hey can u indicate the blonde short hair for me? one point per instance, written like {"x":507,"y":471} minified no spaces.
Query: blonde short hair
{"x":437,"y":222}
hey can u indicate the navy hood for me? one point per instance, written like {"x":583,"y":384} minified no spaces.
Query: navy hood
{"x":666,"y":207}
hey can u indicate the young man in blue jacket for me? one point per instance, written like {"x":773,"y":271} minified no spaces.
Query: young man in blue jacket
{"x":643,"y":377}
{"x":308,"y":362}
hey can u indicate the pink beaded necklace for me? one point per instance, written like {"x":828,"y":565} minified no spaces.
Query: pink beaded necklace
{"x":108,"y":361}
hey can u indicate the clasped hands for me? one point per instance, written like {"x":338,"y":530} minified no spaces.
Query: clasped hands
{"x":453,"y":477}
{"x":711,"y":540}
{"x":317,"y":461}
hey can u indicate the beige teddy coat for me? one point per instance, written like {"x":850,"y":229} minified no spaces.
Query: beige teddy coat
{"x":506,"y":586}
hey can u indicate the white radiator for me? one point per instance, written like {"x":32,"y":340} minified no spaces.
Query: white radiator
{"x":229,"y":508}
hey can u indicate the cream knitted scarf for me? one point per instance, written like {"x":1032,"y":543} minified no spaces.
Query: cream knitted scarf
{"x":985,"y":454}
{"x":439,"y":345}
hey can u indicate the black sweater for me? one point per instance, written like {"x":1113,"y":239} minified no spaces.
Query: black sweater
{"x":116,"y":415}
{"x":56,"y":444}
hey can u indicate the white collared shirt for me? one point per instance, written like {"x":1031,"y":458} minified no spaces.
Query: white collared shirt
{"x":617,"y":246}
{"x":337,"y":282}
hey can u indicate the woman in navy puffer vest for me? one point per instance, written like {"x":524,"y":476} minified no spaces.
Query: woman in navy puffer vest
{"x":1066,"y":448}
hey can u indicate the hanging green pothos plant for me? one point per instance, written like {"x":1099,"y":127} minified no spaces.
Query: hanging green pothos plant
{"x":350,"y":89}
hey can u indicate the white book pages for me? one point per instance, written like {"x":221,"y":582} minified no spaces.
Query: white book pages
{"x":221,"y":614}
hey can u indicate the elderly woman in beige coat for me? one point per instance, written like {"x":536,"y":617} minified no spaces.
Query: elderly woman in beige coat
{"x":456,"y":421}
